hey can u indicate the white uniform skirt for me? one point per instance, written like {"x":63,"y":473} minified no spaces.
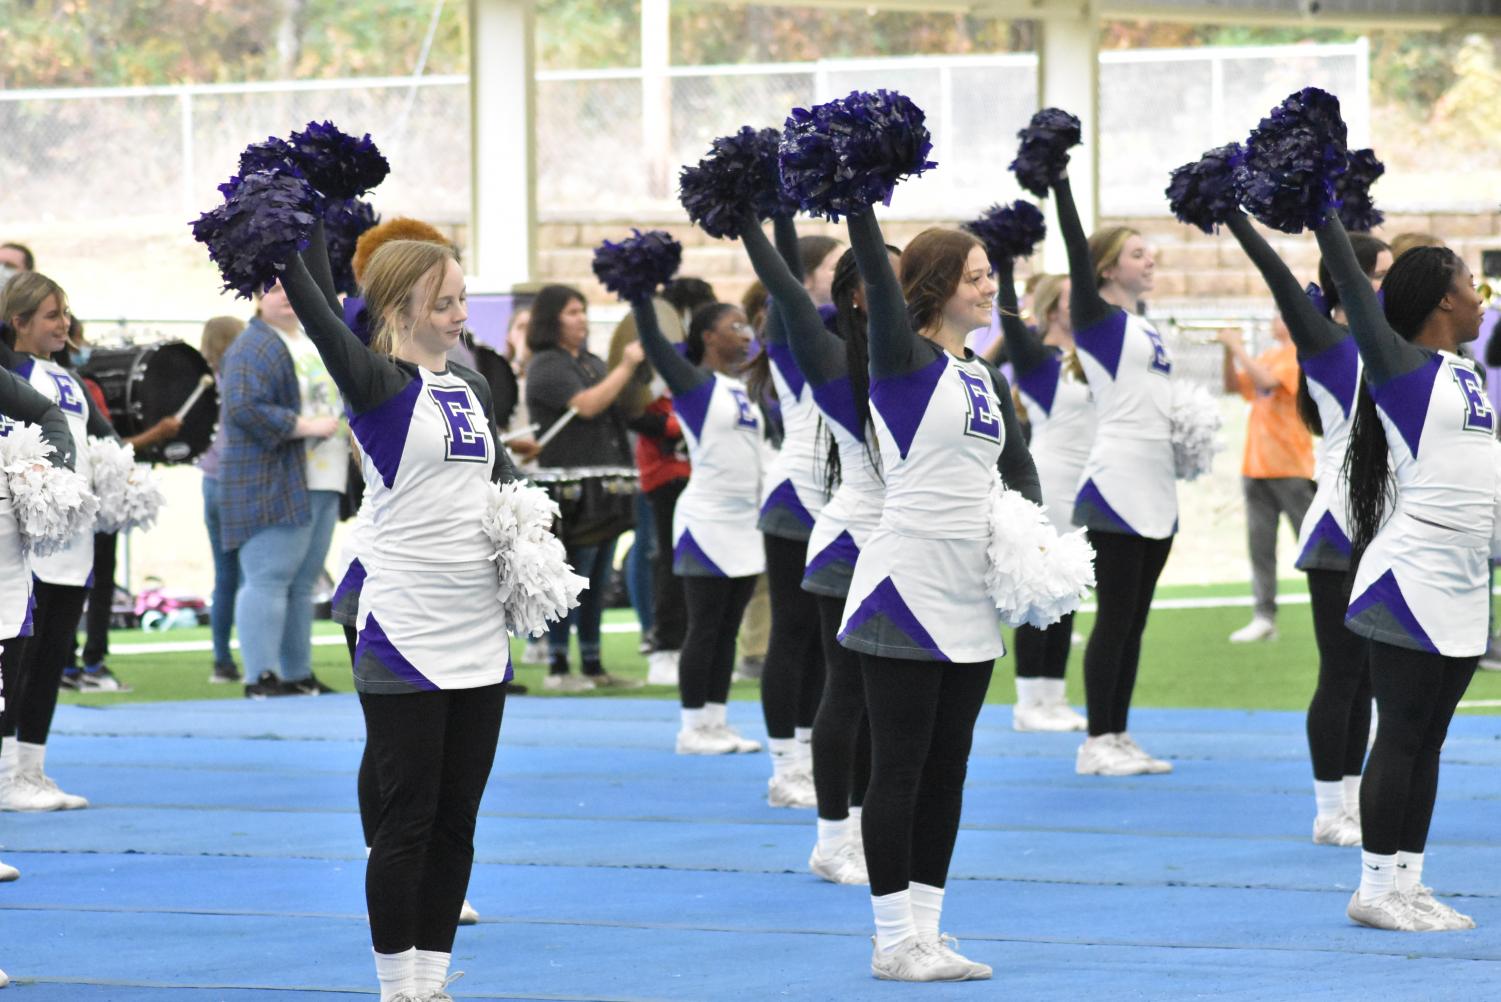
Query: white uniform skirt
{"x":839,"y":534}
{"x":713,"y":537}
{"x":15,"y":575}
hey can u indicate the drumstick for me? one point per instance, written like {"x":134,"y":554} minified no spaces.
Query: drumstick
{"x":203,"y":384}
{"x":557,"y":426}
{"x":512,"y":436}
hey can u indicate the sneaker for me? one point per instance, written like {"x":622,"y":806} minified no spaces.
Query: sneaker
{"x":646,"y":646}
{"x":67,"y":801}
{"x":1037,"y":717}
{"x":604,"y":680}
{"x":743,"y":745}
{"x":266,"y":686}
{"x":309,"y":686}
{"x":844,"y":865}
{"x":704,"y":741}
{"x":793,"y":789}
{"x":916,"y":959}
{"x":467,"y":914}
{"x":1067,"y":717}
{"x":515,"y":688}
{"x":1392,"y":911}
{"x":1101,"y":756}
{"x":949,"y":947}
{"x":748,"y":669}
{"x":98,"y":678}
{"x":1421,"y":900}
{"x":441,"y":994}
{"x":224,"y":672}
{"x":18,"y":793}
{"x":536,"y":652}
{"x":8,"y":873}
{"x":566,"y":682}
{"x":72,"y":680}
{"x":1259,"y":628}
{"x":1335,"y":829}
{"x":662,"y":668}
{"x":1154,"y":766}
{"x":4,"y":979}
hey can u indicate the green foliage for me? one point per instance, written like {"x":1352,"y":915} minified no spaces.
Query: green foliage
{"x":588,"y":34}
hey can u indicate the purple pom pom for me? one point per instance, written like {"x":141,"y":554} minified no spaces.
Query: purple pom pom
{"x":337,"y":164}
{"x":842,"y":157}
{"x":634,"y":268}
{"x":343,"y":222}
{"x":272,"y":156}
{"x":740,"y":176}
{"x":1356,"y":210}
{"x":266,"y":220}
{"x":1010,"y":231}
{"x":1204,"y":193}
{"x":1043,"y":153}
{"x":1293,"y":161}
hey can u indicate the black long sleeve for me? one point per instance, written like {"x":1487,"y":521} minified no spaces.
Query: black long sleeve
{"x":681,"y":375}
{"x":1311,"y":331}
{"x":21,"y":402}
{"x":1382,"y":349}
{"x":1016,"y":465}
{"x":895,"y":349}
{"x":1085,"y":302}
{"x":819,"y":355}
{"x":99,"y":426}
{"x":1027,"y":350}
{"x":322,"y":270}
{"x":784,"y":231}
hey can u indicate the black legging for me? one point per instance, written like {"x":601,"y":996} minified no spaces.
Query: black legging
{"x":33,"y":681}
{"x":433,"y":752}
{"x":101,"y":595}
{"x":668,"y":610}
{"x":366,"y":788}
{"x":792,"y":678}
{"x":707,"y":660}
{"x":1044,"y":653}
{"x":1416,"y":693}
{"x":1126,"y":572}
{"x":841,"y":733}
{"x":922,"y":723}
{"x":1339,"y":717}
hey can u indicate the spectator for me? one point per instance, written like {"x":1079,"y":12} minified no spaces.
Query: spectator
{"x":218,"y":334}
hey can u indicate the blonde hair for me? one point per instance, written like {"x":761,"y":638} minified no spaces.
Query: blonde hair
{"x":25,"y":293}
{"x":393,"y":275}
{"x":217,"y":335}
{"x":1404,"y":242}
{"x":1105,"y":248}
{"x":1045,"y":297}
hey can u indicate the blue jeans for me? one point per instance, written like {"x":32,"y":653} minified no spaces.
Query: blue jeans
{"x":278,"y":567}
{"x":638,"y":574}
{"x":594,"y":563}
{"x":226,"y":576}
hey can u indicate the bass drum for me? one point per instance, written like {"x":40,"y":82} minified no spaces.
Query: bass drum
{"x":146,"y":382}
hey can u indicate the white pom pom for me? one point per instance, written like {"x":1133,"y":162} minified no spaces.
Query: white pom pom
{"x":52,"y":505}
{"x":536,"y":584}
{"x":129,"y":495}
{"x":1034,"y":575}
{"x":1195,"y":430}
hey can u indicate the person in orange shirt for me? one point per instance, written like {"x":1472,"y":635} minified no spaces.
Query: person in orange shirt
{"x":1277,"y":470}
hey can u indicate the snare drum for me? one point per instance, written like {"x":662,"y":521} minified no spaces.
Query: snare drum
{"x":597,"y":503}
{"x":146,"y":382}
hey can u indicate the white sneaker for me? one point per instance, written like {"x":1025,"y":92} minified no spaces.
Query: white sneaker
{"x":568,"y":682}
{"x":1392,"y":911}
{"x":536,"y":652}
{"x":70,"y":801}
{"x":662,"y":668}
{"x":8,"y":873}
{"x":748,"y":669}
{"x":1036,"y":717}
{"x":845,"y":865}
{"x":1101,"y":756}
{"x":794,"y":789}
{"x":916,"y":959}
{"x":1154,"y":766}
{"x":1067,"y":717}
{"x":1421,"y":900}
{"x":467,"y":914}
{"x":4,"y":979}
{"x":949,"y":947}
{"x":1335,"y":829}
{"x":743,"y":745}
{"x":1259,"y":628}
{"x":18,"y":793}
{"x":703,"y":741}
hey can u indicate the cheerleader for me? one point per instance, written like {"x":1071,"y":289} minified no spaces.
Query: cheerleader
{"x":840,"y":735}
{"x":1127,"y":498}
{"x":918,"y":612}
{"x":1422,"y":475}
{"x":1339,"y":716}
{"x":1061,"y":413}
{"x":715,"y":548}
{"x":432,"y":655}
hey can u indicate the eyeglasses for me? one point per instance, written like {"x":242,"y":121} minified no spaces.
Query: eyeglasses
{"x":742,"y":328}
{"x":1484,"y":291}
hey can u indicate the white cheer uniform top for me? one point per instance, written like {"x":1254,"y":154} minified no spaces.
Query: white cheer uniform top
{"x":1060,"y":409}
{"x":714,"y":531}
{"x":794,"y":488}
{"x":350,"y":572}
{"x":74,"y":564}
{"x":854,"y":511}
{"x":15,"y":572}
{"x":1333,"y":377}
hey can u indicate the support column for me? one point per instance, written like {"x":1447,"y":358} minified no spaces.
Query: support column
{"x":1068,"y":77}
{"x":656,"y":98}
{"x":502,"y":144}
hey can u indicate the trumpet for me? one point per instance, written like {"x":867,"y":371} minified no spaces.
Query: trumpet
{"x":1206,"y":330}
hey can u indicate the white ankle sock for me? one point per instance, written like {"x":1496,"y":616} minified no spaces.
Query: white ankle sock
{"x":1351,"y":786}
{"x":855,"y":813}
{"x":30,"y":758}
{"x":1409,"y":870}
{"x":692,"y":718}
{"x":784,"y":756}
{"x":1028,"y":691}
{"x":833,"y":834}
{"x":927,"y":908}
{"x":1054,"y":692}
{"x":431,"y":970}
{"x":1329,"y":797}
{"x":894,"y":922}
{"x":714,"y":714}
{"x":804,"y":737}
{"x":1378,"y":875}
{"x":396,"y":972}
{"x":10,"y":761}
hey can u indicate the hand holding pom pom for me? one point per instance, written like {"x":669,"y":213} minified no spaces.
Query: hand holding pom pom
{"x":634,"y":268}
{"x":1356,"y":209}
{"x":1034,"y":575}
{"x":265,"y":219}
{"x":129,"y":495}
{"x":842,"y":157}
{"x":1043,"y":155}
{"x":1195,"y":430}
{"x":536,"y":584}
{"x":52,"y":505}
{"x":1293,"y":161}
{"x":343,"y":222}
{"x":1205,"y":193}
{"x":739,"y":178}
{"x":1010,"y":231}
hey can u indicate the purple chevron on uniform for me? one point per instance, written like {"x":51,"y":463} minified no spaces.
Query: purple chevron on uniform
{"x":1404,"y":400}
{"x":781,"y":357}
{"x":1384,"y":609}
{"x":884,"y":606}
{"x":903,"y":400}
{"x":829,"y":314}
{"x":841,"y":550}
{"x":1092,"y":511}
{"x":28,"y":625}
{"x":374,"y":654}
{"x":1041,"y":382}
{"x":382,"y":431}
{"x":690,"y":560}
{"x":836,"y":399}
{"x":784,"y":498}
{"x":1324,"y":538}
{"x":1336,"y":369}
{"x":350,"y":584}
{"x":1103,"y":341}
{"x":693,"y":407}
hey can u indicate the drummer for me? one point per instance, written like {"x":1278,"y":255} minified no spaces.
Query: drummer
{"x":564,"y":378}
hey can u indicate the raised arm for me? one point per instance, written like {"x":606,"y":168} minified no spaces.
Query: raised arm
{"x":895,"y":349}
{"x":1085,"y":302}
{"x":1382,"y":350}
{"x":819,"y":355}
{"x":681,"y":375}
{"x":318,"y":265}
{"x":20,"y":402}
{"x":1026,"y":348}
{"x":1311,"y":331}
